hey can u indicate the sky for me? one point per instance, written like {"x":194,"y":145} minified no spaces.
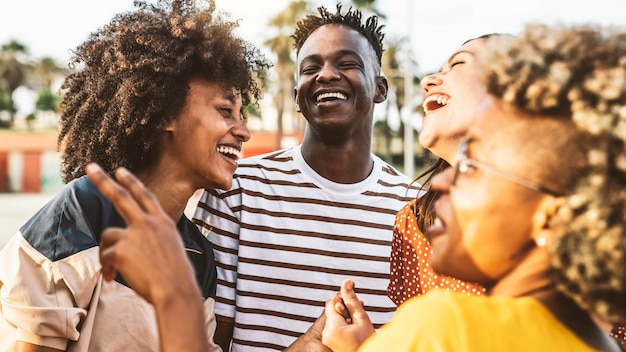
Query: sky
{"x":435,"y":28}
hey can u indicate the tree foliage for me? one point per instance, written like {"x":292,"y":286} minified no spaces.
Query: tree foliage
{"x":13,"y":71}
{"x":47,"y":101}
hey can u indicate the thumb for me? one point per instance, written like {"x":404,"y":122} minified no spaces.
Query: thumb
{"x":353,"y":304}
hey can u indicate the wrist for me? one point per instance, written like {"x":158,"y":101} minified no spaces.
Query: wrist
{"x":183,"y":290}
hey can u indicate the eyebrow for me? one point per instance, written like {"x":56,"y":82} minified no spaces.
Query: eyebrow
{"x":230,"y":95}
{"x":340,"y":53}
{"x":457,"y":54}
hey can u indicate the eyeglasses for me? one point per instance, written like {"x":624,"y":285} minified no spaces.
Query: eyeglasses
{"x":464,"y":163}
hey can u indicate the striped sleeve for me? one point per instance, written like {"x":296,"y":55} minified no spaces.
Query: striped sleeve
{"x":215,"y":217}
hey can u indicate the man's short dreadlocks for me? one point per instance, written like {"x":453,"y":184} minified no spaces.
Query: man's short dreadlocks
{"x":370,"y":30}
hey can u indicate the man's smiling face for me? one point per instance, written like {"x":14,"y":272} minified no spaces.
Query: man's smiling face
{"x":337,"y":78}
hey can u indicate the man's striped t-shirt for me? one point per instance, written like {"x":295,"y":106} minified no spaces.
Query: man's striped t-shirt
{"x":285,"y":238}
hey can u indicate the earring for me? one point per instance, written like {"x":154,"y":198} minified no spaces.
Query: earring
{"x":541,"y":241}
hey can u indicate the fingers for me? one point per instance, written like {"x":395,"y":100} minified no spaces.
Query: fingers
{"x":108,"y":240}
{"x":144,"y":197}
{"x":129,"y":196}
{"x":315,"y":330}
{"x":333,"y":316}
{"x":338,"y":334}
{"x":351,"y":302}
{"x":123,"y":203}
{"x":341,"y":308}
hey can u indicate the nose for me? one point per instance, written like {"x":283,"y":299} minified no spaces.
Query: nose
{"x":442,"y":181}
{"x":242,"y":132}
{"x":328,"y":73}
{"x":430,"y":81}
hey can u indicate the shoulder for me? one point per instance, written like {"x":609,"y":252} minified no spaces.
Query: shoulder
{"x":275,"y":157}
{"x":78,"y":196}
{"x":88,"y":198}
{"x":83,"y":188}
{"x":70,"y":222}
{"x":408,"y":209}
{"x":462,"y":322}
{"x":406,"y":215}
{"x":389,"y":172}
{"x":388,"y":168}
{"x":447,"y":308}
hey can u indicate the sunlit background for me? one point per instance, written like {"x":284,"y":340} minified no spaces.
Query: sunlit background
{"x":36,"y":37}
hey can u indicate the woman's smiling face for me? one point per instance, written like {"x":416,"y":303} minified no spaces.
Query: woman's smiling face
{"x":204,"y":142}
{"x":486,"y":222}
{"x":451,"y":97}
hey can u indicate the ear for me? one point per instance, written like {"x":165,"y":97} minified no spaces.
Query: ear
{"x":381,"y":89}
{"x":171,"y":126}
{"x":547,"y":209}
{"x":295,"y":99}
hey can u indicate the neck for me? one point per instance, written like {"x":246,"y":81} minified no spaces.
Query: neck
{"x":347,"y":163}
{"x":531,"y":275}
{"x":531,"y":278}
{"x":168,"y":189}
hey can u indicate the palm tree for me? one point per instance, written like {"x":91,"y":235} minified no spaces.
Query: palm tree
{"x":282,"y":46}
{"x":13,"y":72}
{"x":392,"y":69}
{"x":46,"y":70}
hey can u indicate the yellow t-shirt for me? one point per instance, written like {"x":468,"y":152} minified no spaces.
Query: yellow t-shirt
{"x":444,"y":321}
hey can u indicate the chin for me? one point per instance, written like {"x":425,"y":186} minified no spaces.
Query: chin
{"x":427,"y":140}
{"x":226,"y":184}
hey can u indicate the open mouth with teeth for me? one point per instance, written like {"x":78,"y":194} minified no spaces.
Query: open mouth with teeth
{"x":325,"y":97}
{"x":435,"y":102}
{"x":229,"y":152}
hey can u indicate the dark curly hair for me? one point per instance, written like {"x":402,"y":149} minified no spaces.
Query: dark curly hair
{"x":576,"y":74}
{"x":352,"y":18}
{"x":132,"y":80}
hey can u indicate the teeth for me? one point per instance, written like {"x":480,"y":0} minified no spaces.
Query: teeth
{"x":331,"y":95}
{"x":437,"y":222}
{"x":229,"y":151}
{"x":441,"y":100}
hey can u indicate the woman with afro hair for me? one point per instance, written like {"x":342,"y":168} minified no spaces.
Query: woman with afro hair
{"x":161,"y":91}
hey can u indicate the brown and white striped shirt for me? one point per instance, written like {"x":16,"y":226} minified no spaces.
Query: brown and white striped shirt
{"x":285,"y":238}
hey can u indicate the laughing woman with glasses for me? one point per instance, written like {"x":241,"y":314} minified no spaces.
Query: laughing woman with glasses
{"x":534,"y":209}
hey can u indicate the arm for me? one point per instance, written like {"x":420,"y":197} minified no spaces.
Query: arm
{"x":149,"y":254}
{"x":311,"y":340}
{"x":214,"y":217}
{"x":338,"y":333}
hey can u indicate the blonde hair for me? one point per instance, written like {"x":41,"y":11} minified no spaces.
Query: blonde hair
{"x":577,"y":74}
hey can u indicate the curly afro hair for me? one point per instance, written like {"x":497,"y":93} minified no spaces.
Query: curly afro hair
{"x":352,"y":18}
{"x":130,"y":80}
{"x":577,"y":74}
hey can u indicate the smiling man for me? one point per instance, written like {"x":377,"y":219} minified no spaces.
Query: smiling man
{"x":299,"y":220}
